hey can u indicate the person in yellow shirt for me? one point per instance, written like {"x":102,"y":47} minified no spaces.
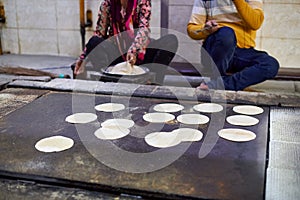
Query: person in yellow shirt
{"x":228,"y":30}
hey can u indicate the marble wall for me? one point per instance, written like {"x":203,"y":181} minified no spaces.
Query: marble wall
{"x":52,"y":27}
{"x":279,"y":35}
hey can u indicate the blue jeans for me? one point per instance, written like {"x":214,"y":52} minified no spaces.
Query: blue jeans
{"x":236,"y":68}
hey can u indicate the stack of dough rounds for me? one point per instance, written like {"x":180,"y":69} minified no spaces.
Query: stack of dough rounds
{"x":208,"y":107}
{"x":113,"y":129}
{"x":54,"y":144}
{"x":248,"y":110}
{"x":110,"y":107}
{"x":193,"y":119}
{"x":237,"y":135}
{"x":242,"y":120}
{"x":81,"y":118}
{"x":124,"y":68}
{"x":158,"y":117}
{"x":168,"y":107}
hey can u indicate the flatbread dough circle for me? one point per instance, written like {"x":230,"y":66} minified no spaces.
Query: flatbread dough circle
{"x":168,"y":107}
{"x":208,"y":107}
{"x":158,"y":117}
{"x":54,"y":144}
{"x":237,"y":135}
{"x":126,"y":123}
{"x":188,"y":134}
{"x":124,"y":68}
{"x":110,"y":107}
{"x":111,"y":132}
{"x":193,"y":119}
{"x":81,"y":118}
{"x":242,"y":120}
{"x":162,"y":139}
{"x":248,"y":110}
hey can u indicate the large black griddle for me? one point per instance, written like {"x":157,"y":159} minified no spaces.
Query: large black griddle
{"x":230,"y":171}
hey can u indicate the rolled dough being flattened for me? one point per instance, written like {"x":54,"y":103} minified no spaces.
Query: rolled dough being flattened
{"x":110,"y":107}
{"x":111,"y":132}
{"x":208,"y":107}
{"x":168,"y":107}
{"x":237,"y":135}
{"x":242,"y":120}
{"x":193,"y":119}
{"x":124,"y":68}
{"x":248,"y":110}
{"x":158,"y":117}
{"x":126,"y":123}
{"x":54,"y":144}
{"x":188,"y":134}
{"x":81,"y":118}
{"x":162,"y":139}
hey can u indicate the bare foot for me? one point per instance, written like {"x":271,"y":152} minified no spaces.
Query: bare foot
{"x":203,"y":86}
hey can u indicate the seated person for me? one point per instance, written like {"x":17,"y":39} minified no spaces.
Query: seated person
{"x":228,"y":28}
{"x":122,"y":34}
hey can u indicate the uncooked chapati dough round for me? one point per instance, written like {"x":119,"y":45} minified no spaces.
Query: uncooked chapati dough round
{"x":158,"y":117}
{"x":111,"y":132}
{"x":188,"y":134}
{"x":110,"y":107}
{"x":54,"y":144}
{"x":162,"y":139}
{"x":126,"y":123}
{"x":124,"y":68}
{"x":81,"y":118}
{"x":248,"y":110}
{"x":208,"y":107}
{"x":242,"y":120}
{"x":193,"y":119}
{"x":237,"y":135}
{"x":168,"y":107}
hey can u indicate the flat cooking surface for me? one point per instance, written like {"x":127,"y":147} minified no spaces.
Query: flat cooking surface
{"x":230,"y":171}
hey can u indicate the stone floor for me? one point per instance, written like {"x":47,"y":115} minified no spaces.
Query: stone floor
{"x":283,"y":178}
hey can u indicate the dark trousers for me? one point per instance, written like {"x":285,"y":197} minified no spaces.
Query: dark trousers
{"x":247,"y":66}
{"x":159,"y":53}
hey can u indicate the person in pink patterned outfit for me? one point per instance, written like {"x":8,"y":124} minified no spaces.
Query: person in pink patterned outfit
{"x":122,"y":34}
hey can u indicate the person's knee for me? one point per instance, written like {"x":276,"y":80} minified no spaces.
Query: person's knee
{"x":92,"y":43}
{"x":173,"y":39}
{"x":272,"y":67}
{"x":169,"y":42}
{"x":226,"y":36}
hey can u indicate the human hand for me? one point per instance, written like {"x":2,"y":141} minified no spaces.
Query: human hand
{"x":131,"y":58}
{"x":79,"y":67}
{"x":211,"y":26}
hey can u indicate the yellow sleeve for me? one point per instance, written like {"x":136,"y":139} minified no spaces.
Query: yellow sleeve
{"x":253,"y":15}
{"x":191,"y":30}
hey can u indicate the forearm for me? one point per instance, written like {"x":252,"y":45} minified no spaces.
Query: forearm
{"x":192,"y":31}
{"x":252,"y":17}
{"x":82,"y":55}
